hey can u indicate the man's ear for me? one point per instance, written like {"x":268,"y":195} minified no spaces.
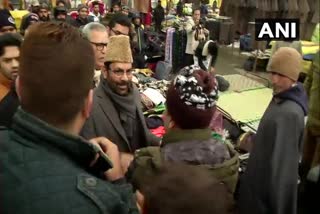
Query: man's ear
{"x":88,"y":104}
{"x":171,"y":124}
{"x":18,"y":88}
{"x":104,"y":72}
{"x":108,"y":30}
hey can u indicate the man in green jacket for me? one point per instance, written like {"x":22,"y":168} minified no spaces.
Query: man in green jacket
{"x":190,"y":106}
{"x":311,"y":153}
{"x":46,"y":167}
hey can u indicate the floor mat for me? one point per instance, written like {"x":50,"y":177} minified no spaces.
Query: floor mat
{"x":241,"y":83}
{"x":246,"y":106}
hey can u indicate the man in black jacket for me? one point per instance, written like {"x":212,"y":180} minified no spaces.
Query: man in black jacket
{"x":158,"y":16}
{"x":83,"y":17}
{"x":139,"y":45}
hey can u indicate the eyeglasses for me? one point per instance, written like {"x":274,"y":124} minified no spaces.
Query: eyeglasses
{"x":120,"y":72}
{"x":117,"y":33}
{"x":99,"y":46}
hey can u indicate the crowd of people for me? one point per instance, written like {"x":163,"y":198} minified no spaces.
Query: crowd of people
{"x":74,"y":139}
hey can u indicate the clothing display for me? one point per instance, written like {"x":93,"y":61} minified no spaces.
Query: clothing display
{"x":159,"y":132}
{"x":226,"y":33}
{"x":242,"y":12}
{"x":161,"y":86}
{"x":214,"y":28}
{"x":142,"y":5}
{"x":169,"y":44}
{"x":154,"y":121}
{"x":178,"y":49}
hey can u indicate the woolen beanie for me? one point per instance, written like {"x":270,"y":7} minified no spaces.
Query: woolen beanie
{"x":35,"y":3}
{"x":119,"y":50}
{"x":44,"y":6}
{"x":6,"y":19}
{"x":32,"y":18}
{"x":59,"y":10}
{"x":191,"y":98}
{"x":81,"y":6}
{"x":287,"y":62}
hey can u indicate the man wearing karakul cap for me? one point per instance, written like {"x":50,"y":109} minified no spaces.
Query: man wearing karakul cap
{"x":117,"y":113}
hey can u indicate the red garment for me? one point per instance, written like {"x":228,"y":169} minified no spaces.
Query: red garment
{"x":148,"y":19}
{"x":74,"y":14}
{"x":159,"y":132}
{"x":152,"y":66}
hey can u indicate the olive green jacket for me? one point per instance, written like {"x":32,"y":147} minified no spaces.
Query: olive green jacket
{"x":194,"y":147}
{"x":312,"y":86}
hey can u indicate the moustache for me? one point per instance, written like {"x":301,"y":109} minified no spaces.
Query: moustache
{"x":125,"y":83}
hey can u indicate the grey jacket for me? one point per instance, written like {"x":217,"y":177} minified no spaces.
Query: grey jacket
{"x":104,"y":121}
{"x":270,"y":182}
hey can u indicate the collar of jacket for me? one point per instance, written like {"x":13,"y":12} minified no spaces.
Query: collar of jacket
{"x":37,"y":131}
{"x":178,"y":135}
{"x":5,"y":81}
{"x":296,"y":94}
{"x":81,"y":20}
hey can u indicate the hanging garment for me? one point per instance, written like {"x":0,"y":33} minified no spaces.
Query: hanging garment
{"x":283,"y":5}
{"x":169,"y":41}
{"x":304,"y":10}
{"x":178,"y":49}
{"x":142,"y":6}
{"x":226,"y":32}
{"x":214,"y":29}
{"x":293,"y":6}
{"x":274,"y":5}
{"x":131,"y":4}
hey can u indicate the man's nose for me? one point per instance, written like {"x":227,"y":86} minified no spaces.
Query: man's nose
{"x":124,"y":77}
{"x":15,"y":63}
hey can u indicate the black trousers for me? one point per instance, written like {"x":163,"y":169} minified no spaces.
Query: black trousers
{"x":157,"y":26}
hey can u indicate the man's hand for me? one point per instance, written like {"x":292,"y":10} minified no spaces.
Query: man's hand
{"x":111,"y":150}
{"x":212,"y":70}
{"x":126,"y":159}
{"x":140,"y":200}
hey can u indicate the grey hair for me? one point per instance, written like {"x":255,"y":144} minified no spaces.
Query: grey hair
{"x":92,"y":26}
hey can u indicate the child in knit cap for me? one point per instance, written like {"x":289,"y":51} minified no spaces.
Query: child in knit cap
{"x":191,"y":103}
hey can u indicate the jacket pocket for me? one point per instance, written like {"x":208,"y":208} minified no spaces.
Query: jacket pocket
{"x":87,"y":185}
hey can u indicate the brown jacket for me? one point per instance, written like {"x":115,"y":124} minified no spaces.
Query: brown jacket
{"x":5,"y":85}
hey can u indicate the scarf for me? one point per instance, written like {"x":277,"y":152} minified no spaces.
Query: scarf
{"x":125,"y":104}
{"x":128,"y":111}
